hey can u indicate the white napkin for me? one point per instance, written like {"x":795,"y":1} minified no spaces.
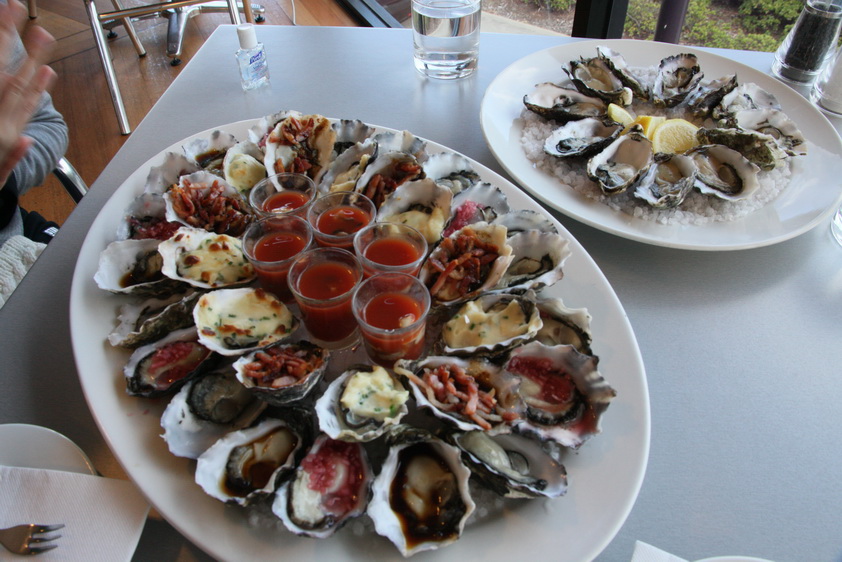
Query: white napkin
{"x":103,"y":517}
{"x":647,"y":553}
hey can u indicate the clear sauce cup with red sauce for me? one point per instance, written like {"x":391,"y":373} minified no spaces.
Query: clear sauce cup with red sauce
{"x":283,"y":194}
{"x":337,"y":217}
{"x":384,"y":247}
{"x":323,"y":281}
{"x":271,"y":245}
{"x":391,"y":310}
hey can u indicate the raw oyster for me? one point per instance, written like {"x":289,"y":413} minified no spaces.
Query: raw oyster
{"x":620,"y":68}
{"x":668,"y":181}
{"x":422,"y":204}
{"x":594,"y":77}
{"x":677,"y":77}
{"x":745,"y":96}
{"x":206,"y":408}
{"x":724,"y":172}
{"x":451,"y":170}
{"x":486,"y":397}
{"x":205,"y":260}
{"x":552,"y":101}
{"x":775,"y":123}
{"x":480,"y":202}
{"x":622,"y":162}
{"x":134,"y":267}
{"x":706,"y":97}
{"x":283,"y":373}
{"x":208,"y":153}
{"x":759,"y":148}
{"x":343,"y":173}
{"x":301,"y":144}
{"x":513,"y":465}
{"x":236,"y":321}
{"x":150,"y":320}
{"x":251,"y":463}
{"x":161,"y":367}
{"x":330,"y":486}
{"x":537,"y":261}
{"x":564,"y":393}
{"x":520,"y":220}
{"x":145,"y":217}
{"x":490,"y":323}
{"x":564,"y":326}
{"x":584,"y":137}
{"x":362,"y":404}
{"x":466,"y":263}
{"x":203,"y":200}
{"x":385,"y":173}
{"x":243,"y":166}
{"x":421,"y":500}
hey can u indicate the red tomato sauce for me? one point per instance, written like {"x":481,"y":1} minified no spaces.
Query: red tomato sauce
{"x":285,"y":201}
{"x":392,"y":251}
{"x":342,"y":220}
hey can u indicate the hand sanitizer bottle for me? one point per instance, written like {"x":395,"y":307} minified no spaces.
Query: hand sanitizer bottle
{"x":251,"y":58}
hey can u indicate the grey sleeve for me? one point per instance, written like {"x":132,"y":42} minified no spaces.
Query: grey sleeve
{"x":49,"y":131}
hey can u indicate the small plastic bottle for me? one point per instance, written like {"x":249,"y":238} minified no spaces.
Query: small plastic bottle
{"x":251,"y":58}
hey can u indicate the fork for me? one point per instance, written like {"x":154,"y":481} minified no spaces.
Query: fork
{"x":29,"y":539}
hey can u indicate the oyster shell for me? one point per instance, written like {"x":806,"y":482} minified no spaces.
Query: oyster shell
{"x":203,"y":200}
{"x":621,"y":70}
{"x":466,"y":263}
{"x":745,"y":96}
{"x":451,"y":170}
{"x":564,"y":326}
{"x":150,"y":320}
{"x":134,"y":267}
{"x":161,"y":367}
{"x":243,"y":166}
{"x":520,"y":220}
{"x":422,"y":204}
{"x":403,"y":141}
{"x":283,"y":373}
{"x":498,"y":402}
{"x":571,"y":412}
{"x":206,"y":408}
{"x":348,"y":133}
{"x":330,"y":486}
{"x":421,"y":500}
{"x":537,"y":261}
{"x":161,"y":177}
{"x":251,"y":463}
{"x":490,"y":323}
{"x":208,"y":153}
{"x":724,"y":172}
{"x":236,"y":321}
{"x":301,"y":144}
{"x":480,"y":202}
{"x":205,"y":260}
{"x":775,"y":123}
{"x":621,"y":163}
{"x":758,"y":148}
{"x":584,"y":137}
{"x":706,"y":97}
{"x":362,"y":404}
{"x":552,"y":101}
{"x":595,"y":77}
{"x":343,"y":173}
{"x":677,"y":77}
{"x":385,"y":173}
{"x":513,"y":465}
{"x":668,"y":181}
{"x":145,"y":217}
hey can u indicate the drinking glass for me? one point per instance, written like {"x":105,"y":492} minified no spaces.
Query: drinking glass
{"x":323,"y":280}
{"x":283,"y":194}
{"x":271,"y":244}
{"x":391,"y":310}
{"x":446,"y":37}
{"x":337,"y":217}
{"x":384,"y":247}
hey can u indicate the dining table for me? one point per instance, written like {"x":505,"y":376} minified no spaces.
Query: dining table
{"x":742,"y":349}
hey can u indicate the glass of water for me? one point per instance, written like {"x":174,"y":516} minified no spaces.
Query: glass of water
{"x":446,"y":37}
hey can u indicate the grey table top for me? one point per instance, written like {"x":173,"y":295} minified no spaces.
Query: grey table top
{"x":742,"y":349}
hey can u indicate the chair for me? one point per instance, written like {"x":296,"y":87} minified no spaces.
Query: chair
{"x":177,"y":11}
{"x":70,"y":179}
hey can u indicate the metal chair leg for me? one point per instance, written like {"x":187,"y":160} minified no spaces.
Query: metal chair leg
{"x":33,"y":9}
{"x":127,"y":25}
{"x":108,"y":68}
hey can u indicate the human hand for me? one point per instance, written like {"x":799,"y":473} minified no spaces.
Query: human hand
{"x":20,"y":92}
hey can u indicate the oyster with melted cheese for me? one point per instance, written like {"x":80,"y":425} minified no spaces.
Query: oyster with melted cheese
{"x":205,"y":260}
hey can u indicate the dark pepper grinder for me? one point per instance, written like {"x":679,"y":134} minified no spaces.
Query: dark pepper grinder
{"x":810,"y":42}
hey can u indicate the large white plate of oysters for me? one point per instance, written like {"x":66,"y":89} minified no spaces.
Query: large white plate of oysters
{"x":797,"y":191}
{"x":604,"y":475}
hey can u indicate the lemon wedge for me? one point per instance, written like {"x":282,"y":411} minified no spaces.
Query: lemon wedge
{"x":649,"y":123}
{"x":674,"y":136}
{"x":620,"y":115}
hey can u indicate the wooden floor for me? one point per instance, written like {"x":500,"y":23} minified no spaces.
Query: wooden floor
{"x":81,"y":93}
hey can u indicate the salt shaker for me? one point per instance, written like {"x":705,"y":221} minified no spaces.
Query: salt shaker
{"x":810,"y":42}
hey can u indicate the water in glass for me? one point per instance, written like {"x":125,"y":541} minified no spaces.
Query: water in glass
{"x":446,"y":37}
